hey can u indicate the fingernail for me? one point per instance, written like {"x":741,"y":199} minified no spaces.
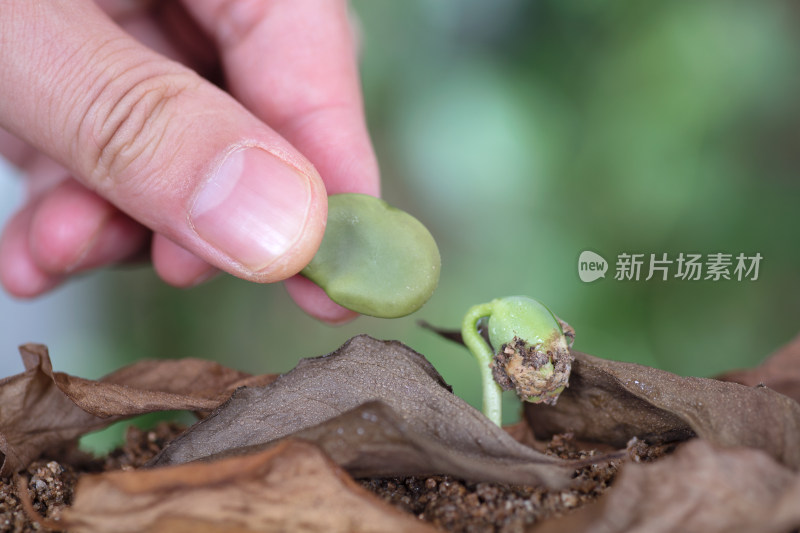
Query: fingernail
{"x":253,"y":209}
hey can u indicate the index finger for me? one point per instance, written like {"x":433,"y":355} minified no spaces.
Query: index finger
{"x":293,"y":64}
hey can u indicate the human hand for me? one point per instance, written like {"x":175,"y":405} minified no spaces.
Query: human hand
{"x":122,"y":140}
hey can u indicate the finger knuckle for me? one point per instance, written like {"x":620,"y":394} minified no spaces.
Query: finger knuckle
{"x":128,"y":123}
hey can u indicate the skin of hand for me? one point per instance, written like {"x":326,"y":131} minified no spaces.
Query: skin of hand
{"x":115,"y":112}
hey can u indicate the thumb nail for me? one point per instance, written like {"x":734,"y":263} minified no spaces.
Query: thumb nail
{"x":253,"y":209}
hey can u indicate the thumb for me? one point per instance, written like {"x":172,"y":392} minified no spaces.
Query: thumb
{"x":169,"y":149}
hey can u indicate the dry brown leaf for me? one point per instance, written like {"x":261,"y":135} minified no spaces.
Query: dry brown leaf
{"x":780,"y":372}
{"x":292,"y":487}
{"x":700,"y":488}
{"x":611,"y":402}
{"x":374,"y":441}
{"x":377,"y":408}
{"x":41,"y":409}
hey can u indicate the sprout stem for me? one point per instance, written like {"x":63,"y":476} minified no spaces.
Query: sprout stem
{"x":492,"y":393}
{"x":532,"y":352}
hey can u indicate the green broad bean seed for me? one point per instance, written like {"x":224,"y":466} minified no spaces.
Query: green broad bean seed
{"x":374,"y":259}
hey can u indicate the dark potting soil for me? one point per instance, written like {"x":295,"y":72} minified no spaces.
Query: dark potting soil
{"x":51,"y":483}
{"x":447,"y":503}
{"x":455,"y":505}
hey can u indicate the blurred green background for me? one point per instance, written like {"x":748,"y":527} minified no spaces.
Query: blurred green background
{"x":522,"y":133}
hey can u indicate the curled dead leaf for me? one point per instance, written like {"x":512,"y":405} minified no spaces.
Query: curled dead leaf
{"x":41,"y":409}
{"x":372,"y":440}
{"x":611,"y":402}
{"x":378,"y":408}
{"x":780,"y":372}
{"x":292,"y":487}
{"x":701,"y":488}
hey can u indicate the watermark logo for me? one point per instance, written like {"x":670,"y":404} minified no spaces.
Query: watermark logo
{"x":683,"y":266}
{"x":591,"y":266}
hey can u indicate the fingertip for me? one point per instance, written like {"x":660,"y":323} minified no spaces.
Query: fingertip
{"x":177,"y":266}
{"x":337,"y":142}
{"x":19,"y":273}
{"x":74,"y":229}
{"x":313,"y":300}
{"x":63,"y":224}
